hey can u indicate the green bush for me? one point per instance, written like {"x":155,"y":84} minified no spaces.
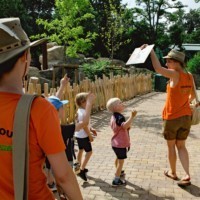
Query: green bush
{"x":98,"y":68}
{"x":193,"y":64}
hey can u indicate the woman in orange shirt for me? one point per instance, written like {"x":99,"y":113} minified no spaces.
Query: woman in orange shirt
{"x":176,"y":113}
{"x":44,"y":132}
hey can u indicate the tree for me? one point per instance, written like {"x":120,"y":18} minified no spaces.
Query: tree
{"x":38,"y":9}
{"x":110,"y":17}
{"x":192,"y":26}
{"x":69,"y":26}
{"x":176,"y":29}
{"x":154,"y":13}
{"x":28,"y":11}
{"x":194,"y":63}
{"x":112,"y":32}
{"x":14,"y":8}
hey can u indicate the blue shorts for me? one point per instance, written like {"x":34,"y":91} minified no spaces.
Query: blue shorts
{"x":121,"y":153}
{"x":84,"y":143}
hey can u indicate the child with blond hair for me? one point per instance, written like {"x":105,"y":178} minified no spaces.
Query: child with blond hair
{"x":120,"y":141}
{"x":83,"y":136}
{"x":67,"y":130}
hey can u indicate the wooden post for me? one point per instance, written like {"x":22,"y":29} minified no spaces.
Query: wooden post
{"x":38,"y":89}
{"x":30,"y":88}
{"x":34,"y":81}
{"x":54,"y":77}
{"x":44,"y":56}
{"x":25,"y":86}
{"x":46,"y":90}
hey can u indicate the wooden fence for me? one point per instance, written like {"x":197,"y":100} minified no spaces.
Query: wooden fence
{"x":125,"y":88}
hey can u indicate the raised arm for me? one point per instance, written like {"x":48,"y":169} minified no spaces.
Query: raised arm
{"x":63,"y":83}
{"x":86,"y":118}
{"x":169,"y":73}
{"x":128,"y":122}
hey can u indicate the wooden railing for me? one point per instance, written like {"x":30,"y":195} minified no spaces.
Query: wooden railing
{"x":125,"y":88}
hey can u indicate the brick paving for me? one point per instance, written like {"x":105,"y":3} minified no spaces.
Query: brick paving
{"x":147,"y":158}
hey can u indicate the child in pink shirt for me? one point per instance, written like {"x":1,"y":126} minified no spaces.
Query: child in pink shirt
{"x":120,"y":141}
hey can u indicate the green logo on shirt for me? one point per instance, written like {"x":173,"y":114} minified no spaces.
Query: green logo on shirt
{"x":5,"y":147}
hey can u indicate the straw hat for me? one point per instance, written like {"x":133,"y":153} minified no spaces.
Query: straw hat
{"x":176,"y":55}
{"x":13,"y":39}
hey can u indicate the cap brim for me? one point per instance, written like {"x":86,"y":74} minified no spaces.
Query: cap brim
{"x":55,"y":97}
{"x":167,"y":57}
{"x":65,"y":102}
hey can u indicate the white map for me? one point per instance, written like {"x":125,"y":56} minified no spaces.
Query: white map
{"x":139,"y":55}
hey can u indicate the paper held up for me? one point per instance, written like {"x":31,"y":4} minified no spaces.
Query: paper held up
{"x":139,"y":55}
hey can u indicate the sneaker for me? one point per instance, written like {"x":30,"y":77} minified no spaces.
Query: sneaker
{"x":122,"y":173}
{"x":86,"y":170}
{"x":76,"y":168}
{"x":52,"y":187}
{"x":118,"y":183}
{"x":82,"y":175}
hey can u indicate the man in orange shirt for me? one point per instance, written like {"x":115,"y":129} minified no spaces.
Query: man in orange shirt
{"x":177,"y":113}
{"x":44,"y":132}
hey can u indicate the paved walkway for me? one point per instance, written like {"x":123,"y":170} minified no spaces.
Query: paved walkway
{"x":147,"y":158}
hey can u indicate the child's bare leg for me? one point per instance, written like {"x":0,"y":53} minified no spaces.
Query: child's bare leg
{"x":116,"y":163}
{"x":79,"y":155}
{"x":119,"y":167}
{"x":85,"y":160}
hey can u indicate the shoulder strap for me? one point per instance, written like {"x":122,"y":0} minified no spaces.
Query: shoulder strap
{"x":21,"y":147}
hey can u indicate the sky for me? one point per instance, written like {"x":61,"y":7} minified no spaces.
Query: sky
{"x":190,"y":3}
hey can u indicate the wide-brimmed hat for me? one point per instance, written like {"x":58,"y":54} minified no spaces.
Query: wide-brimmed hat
{"x":176,"y":55}
{"x":57,"y":102}
{"x":13,"y":39}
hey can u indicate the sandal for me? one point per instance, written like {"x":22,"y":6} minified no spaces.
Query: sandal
{"x":166,"y":173}
{"x":184,"y":182}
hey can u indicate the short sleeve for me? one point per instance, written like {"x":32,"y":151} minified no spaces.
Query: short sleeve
{"x":120,"y":119}
{"x":46,"y":125}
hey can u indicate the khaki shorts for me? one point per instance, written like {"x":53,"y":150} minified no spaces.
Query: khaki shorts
{"x":177,"y":129}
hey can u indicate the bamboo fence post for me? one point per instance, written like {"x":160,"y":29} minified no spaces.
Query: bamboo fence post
{"x":51,"y":92}
{"x":30,"y":88}
{"x":71,"y":106}
{"x":124,"y":87}
{"x":93,"y":90}
{"x":135,"y":88}
{"x":99,"y":94}
{"x":38,"y":89}
{"x":25,"y":86}
{"x":34,"y":81}
{"x":46,"y":89}
{"x":64,"y":96}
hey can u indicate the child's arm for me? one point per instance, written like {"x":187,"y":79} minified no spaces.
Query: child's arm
{"x":87,"y":130}
{"x":128,"y":122}
{"x":63,"y":83}
{"x":86,"y":118}
{"x":94,"y":132}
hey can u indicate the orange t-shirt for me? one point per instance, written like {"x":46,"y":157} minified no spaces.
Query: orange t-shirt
{"x":44,"y":138}
{"x":177,"y":103}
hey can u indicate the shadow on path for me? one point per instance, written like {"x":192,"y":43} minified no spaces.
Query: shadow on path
{"x":193,"y":190}
{"x":102,"y":118}
{"x":132,"y":192}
